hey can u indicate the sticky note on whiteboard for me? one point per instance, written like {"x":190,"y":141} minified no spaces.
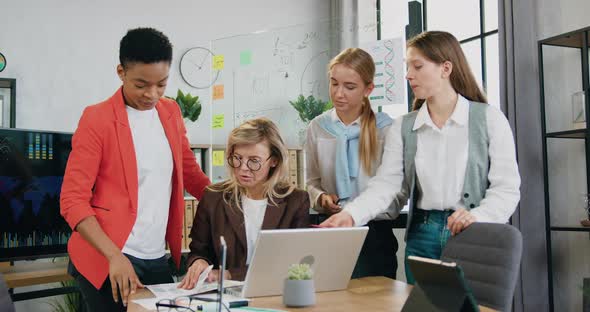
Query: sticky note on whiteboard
{"x":218,"y":62}
{"x":218,"y":92}
{"x":218,"y":121}
{"x":246,"y":57}
{"x":218,"y":158}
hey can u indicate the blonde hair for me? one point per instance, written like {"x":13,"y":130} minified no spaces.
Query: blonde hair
{"x":439,"y":47}
{"x":255,"y":131}
{"x":362,"y":63}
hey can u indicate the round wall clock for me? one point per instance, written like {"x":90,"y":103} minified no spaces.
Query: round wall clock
{"x":2,"y":62}
{"x":196,"y":68}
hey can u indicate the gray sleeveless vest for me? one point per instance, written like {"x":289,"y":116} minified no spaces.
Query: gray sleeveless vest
{"x":476,"y":173}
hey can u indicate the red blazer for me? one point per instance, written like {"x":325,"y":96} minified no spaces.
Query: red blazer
{"x":101,"y":180}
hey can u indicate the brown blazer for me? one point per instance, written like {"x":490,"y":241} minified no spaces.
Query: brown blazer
{"x":215,"y":217}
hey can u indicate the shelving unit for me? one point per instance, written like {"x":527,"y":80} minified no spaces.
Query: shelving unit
{"x":565,"y":106}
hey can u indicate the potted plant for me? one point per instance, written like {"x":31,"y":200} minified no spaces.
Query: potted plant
{"x":69,"y":302}
{"x":310,"y":107}
{"x":299,"y":290}
{"x":190,"y":106}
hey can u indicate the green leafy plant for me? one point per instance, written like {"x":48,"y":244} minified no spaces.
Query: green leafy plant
{"x":300,"y":272}
{"x":71,"y":302}
{"x":310,"y":107}
{"x":190,"y":106}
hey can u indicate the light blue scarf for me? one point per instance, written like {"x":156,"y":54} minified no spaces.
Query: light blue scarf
{"x":347,"y":149}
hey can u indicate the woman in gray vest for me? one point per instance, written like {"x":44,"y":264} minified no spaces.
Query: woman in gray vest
{"x":453,"y":156}
{"x":343,"y":150}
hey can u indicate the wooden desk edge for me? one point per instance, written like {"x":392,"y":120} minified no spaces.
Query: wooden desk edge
{"x":354,"y":285}
{"x":29,"y":274}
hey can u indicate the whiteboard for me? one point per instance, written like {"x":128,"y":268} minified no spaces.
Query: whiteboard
{"x":263,"y":71}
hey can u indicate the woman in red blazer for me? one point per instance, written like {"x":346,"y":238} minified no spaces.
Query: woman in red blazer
{"x":107,"y":191}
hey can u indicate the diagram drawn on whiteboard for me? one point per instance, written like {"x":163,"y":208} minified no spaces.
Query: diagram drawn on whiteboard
{"x":313,"y":80}
{"x":274,"y":114}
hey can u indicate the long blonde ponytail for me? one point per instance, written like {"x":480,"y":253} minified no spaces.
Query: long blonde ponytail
{"x":368,"y":137}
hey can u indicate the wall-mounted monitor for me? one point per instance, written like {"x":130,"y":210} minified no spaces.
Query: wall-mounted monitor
{"x":32,"y":165}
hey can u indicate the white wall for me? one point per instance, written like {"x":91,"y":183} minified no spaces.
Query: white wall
{"x":566,"y":158}
{"x":556,"y":17}
{"x":64,"y":53}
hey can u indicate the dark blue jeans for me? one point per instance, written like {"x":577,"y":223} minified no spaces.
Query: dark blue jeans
{"x":427,"y":236}
{"x":155,"y":271}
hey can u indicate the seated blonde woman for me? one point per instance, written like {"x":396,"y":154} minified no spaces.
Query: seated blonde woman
{"x":257,"y":196}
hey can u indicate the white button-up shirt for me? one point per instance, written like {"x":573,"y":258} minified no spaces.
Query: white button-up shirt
{"x":441,"y":161}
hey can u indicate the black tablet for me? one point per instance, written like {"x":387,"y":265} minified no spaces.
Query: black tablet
{"x":440,"y":286}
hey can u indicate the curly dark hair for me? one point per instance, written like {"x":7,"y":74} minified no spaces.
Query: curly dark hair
{"x":144,"y":45}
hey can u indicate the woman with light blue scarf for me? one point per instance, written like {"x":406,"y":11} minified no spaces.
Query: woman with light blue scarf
{"x":453,"y":157}
{"x":343,"y":150}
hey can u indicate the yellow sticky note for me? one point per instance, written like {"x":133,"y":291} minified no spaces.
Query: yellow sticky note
{"x":218,"y":92}
{"x":218,"y":121}
{"x":218,"y":158}
{"x":218,"y":62}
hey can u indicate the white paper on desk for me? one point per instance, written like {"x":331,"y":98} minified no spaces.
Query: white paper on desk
{"x":171,"y":290}
{"x":150,"y":303}
{"x":203,"y":277}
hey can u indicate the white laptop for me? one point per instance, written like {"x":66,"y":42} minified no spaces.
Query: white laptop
{"x":331,"y":252}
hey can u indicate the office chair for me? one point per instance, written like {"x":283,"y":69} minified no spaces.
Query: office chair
{"x":6,"y":304}
{"x":489,"y":254}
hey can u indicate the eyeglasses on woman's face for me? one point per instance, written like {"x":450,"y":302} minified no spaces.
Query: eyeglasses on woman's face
{"x":254,"y":164}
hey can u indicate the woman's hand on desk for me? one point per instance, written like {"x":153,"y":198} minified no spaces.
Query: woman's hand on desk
{"x":123,"y":277}
{"x":341,"y":219}
{"x":193,"y":273}
{"x":329,"y":202}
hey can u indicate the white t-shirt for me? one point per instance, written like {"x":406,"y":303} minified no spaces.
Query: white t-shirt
{"x":254,"y":210}
{"x":154,"y":170}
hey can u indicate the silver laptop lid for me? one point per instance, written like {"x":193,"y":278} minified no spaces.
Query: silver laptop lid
{"x":331,"y":252}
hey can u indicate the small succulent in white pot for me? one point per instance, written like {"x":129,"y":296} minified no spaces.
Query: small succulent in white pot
{"x":299,"y":289}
